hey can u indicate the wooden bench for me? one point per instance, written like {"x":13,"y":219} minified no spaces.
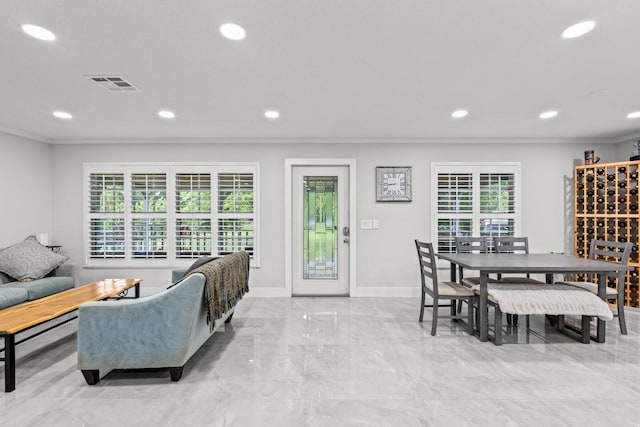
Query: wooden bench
{"x":20,"y":318}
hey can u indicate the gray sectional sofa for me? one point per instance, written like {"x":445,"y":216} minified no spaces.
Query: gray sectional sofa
{"x":30,"y":271}
{"x":14,"y":292}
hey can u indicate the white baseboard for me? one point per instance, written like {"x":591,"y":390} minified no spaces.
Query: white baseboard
{"x":259,"y":292}
{"x":387,"y":292}
{"x":365,"y":292}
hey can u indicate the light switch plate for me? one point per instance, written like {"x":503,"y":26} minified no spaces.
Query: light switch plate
{"x":365,"y":224}
{"x":375,"y":224}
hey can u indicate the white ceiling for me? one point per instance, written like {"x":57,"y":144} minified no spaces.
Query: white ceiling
{"x":337,"y":70}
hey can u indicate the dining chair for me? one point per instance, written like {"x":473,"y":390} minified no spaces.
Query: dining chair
{"x":441,"y":290}
{"x":514,"y":245}
{"x":615,"y":252}
{"x":469,"y":245}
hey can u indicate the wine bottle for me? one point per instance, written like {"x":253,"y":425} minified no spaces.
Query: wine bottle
{"x":580,"y":238}
{"x":580,"y":222}
{"x":633,"y":175}
{"x":600,"y":223}
{"x":622,"y":184}
{"x":600,"y":171}
{"x":580,"y":171}
{"x":633,"y":207}
{"x":600,"y":199}
{"x":611,"y":207}
{"x":622,"y":169}
{"x":590,"y":193}
{"x":600,"y":185}
{"x":622,"y":223}
{"x":590,"y":178}
{"x":611,"y":231}
{"x":633,"y":191}
{"x":611,"y":177}
{"x":611,"y":192}
{"x":622,"y":239}
{"x":580,"y":200}
{"x":590,"y":208}
{"x":580,"y":252}
{"x":622,"y":199}
{"x":589,"y":230}
{"x":581,"y":186}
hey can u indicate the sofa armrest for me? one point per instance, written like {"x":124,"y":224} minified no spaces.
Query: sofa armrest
{"x":141,"y":333}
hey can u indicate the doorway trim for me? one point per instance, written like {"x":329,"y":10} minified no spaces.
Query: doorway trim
{"x":288,"y":216}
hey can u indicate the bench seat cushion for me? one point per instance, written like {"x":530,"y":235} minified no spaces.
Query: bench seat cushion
{"x":43,"y":287}
{"x":549,"y":299}
{"x":12,"y":296}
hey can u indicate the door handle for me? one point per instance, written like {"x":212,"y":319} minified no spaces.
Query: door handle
{"x":345,"y":233}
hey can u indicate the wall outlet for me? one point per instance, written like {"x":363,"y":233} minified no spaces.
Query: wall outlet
{"x":375,"y":224}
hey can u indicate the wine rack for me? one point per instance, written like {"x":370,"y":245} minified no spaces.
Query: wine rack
{"x":606,"y":208}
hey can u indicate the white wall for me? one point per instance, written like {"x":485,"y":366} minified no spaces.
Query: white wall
{"x":25,"y":189}
{"x":385,"y":256}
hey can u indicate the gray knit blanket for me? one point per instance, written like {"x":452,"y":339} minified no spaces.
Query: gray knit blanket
{"x":227,"y":280}
{"x":548,"y":299}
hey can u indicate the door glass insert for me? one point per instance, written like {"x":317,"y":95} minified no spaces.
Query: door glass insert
{"x":320,"y":222}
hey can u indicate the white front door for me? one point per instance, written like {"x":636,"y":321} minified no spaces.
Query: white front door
{"x":320,"y":230}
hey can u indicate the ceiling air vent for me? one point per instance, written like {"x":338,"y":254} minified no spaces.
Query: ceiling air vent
{"x":114,"y":83}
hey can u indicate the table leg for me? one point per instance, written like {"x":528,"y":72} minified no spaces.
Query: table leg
{"x":602,"y":293}
{"x":137,"y":290}
{"x":453,"y":273}
{"x":9,"y":363}
{"x":482,"y":306}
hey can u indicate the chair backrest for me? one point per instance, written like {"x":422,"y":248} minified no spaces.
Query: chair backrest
{"x":428,"y":268}
{"x":612,"y":251}
{"x":467,"y":245}
{"x":511,"y":245}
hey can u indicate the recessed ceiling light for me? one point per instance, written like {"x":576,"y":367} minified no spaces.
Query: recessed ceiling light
{"x":634,"y":115}
{"x":62,"y":115}
{"x":232,"y":31}
{"x":548,"y":114}
{"x":38,"y":32}
{"x":579,"y":29}
{"x":166,"y":114}
{"x":271,"y":114}
{"x":458,"y":114}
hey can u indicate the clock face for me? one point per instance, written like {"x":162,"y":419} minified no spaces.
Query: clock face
{"x":394,"y":184}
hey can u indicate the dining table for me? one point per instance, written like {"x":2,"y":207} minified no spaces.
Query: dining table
{"x":547,"y":264}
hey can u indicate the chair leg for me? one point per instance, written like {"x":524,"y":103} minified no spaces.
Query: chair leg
{"x":434,"y":321}
{"x":498,"y":326}
{"x":623,"y":323}
{"x":470,"y":315}
{"x":422,"y":307}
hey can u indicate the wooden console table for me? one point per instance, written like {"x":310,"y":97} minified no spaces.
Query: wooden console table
{"x":23,"y":317}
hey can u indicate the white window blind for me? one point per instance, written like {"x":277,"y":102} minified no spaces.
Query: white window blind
{"x":169,"y":214}
{"x":477,"y":199}
{"x":106,"y":226}
{"x":148,"y":215}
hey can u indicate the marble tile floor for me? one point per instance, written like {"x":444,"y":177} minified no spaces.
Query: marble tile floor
{"x":342,"y":362}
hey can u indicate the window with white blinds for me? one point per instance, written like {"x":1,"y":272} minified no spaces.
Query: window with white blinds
{"x":475,"y":199}
{"x":168,"y":214}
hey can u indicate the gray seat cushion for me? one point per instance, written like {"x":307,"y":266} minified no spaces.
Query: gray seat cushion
{"x":43,"y":287}
{"x":12,"y":296}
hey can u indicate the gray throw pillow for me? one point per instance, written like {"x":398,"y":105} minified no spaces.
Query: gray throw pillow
{"x":29,"y":260}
